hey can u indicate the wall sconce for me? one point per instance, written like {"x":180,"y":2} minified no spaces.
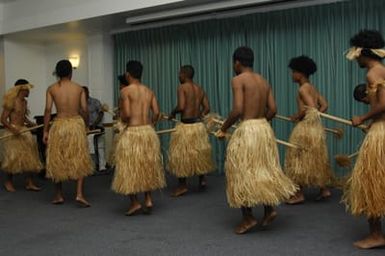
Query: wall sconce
{"x":74,"y":61}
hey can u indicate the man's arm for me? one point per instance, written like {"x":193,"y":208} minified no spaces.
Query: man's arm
{"x":205,"y":105}
{"x":323,"y":104}
{"x":5,"y":121}
{"x":47,"y":114}
{"x":84,"y":107}
{"x":271,"y":106}
{"x":181,"y":103}
{"x":125,"y":111}
{"x":237,"y":110}
{"x":375,"y":110}
{"x":155,"y":110}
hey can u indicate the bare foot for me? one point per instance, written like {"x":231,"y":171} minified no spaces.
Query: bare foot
{"x":268,"y":219}
{"x":148,"y":206}
{"x":180,"y":191}
{"x":81,"y":201}
{"x":8,"y":185}
{"x":246,"y":225}
{"x":297,"y":199}
{"x":58,"y":200}
{"x":324,"y":194}
{"x":370,"y":242}
{"x":32,"y":187}
{"x":134,"y":209}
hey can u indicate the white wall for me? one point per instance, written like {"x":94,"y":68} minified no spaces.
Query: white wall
{"x":36,"y":62}
{"x":26,"y":60}
{"x":21,"y":15}
{"x":2,"y":70}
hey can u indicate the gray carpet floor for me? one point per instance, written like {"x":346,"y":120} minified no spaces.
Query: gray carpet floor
{"x":199,"y":223}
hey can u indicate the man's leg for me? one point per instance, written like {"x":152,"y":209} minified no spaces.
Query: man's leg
{"x":30,"y":185}
{"x":181,"y":189}
{"x":376,"y":237}
{"x":8,"y":184}
{"x":58,"y":199}
{"x":270,"y":215}
{"x":298,"y":198}
{"x":248,"y":221}
{"x":135,"y":206}
{"x":79,"y":193}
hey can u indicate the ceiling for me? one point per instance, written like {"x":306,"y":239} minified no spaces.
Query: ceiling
{"x":79,"y":30}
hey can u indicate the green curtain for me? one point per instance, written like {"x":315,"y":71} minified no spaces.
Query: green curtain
{"x":321,"y":32}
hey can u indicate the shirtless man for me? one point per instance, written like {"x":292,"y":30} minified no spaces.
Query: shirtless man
{"x":364,"y":193}
{"x":138,"y":161}
{"x":310,"y":167}
{"x":20,"y":150}
{"x":67,"y":152}
{"x":253,"y":173}
{"x":190,"y":150}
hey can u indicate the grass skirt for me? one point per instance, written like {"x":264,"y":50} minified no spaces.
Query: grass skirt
{"x":138,"y":159}
{"x":190,"y":151}
{"x":308,"y":167}
{"x":20,"y":154}
{"x":253,"y":173}
{"x":68,"y":156}
{"x":365,"y":190}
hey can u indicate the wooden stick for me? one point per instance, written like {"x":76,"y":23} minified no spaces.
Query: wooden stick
{"x":339,"y":119}
{"x":165,"y":131}
{"x":94,"y":131}
{"x":345,"y":160}
{"x":339,"y":133}
{"x":277,"y":140}
{"x":22,"y":131}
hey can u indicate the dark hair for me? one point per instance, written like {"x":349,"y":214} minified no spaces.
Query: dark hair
{"x":360,"y":92}
{"x":21,"y":82}
{"x":122,"y":79}
{"x":134,"y":68}
{"x":304,"y":65}
{"x":368,"y":39}
{"x":244,"y":55}
{"x":63,"y":68}
{"x":188,"y":70}
{"x":85,"y":88}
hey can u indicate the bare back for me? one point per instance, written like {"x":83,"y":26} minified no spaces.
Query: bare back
{"x":192,"y":100}
{"x":69,"y":98}
{"x":376,"y":89}
{"x":309,"y":96}
{"x":255,"y":90}
{"x":18,"y":113}
{"x":137,"y":102}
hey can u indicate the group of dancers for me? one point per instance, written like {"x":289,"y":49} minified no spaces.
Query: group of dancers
{"x":253,"y":173}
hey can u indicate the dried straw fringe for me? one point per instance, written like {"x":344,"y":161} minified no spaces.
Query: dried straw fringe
{"x":309,"y":167}
{"x":118,"y":128}
{"x":190,"y":151}
{"x":365,"y":190}
{"x":68,"y":156}
{"x":138,"y":158}
{"x":253,"y":172}
{"x":20,"y":154}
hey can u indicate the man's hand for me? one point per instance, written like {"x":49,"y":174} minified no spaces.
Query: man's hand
{"x":357,"y":120}
{"x":171,"y":116}
{"x":14,"y":130}
{"x":45,"y":138}
{"x":293,"y":118}
{"x":221,"y":134}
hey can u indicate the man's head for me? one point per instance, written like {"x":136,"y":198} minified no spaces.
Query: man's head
{"x":365,"y":46}
{"x":302,"y":67}
{"x":86,"y":91}
{"x":24,"y":92}
{"x":122,"y":81}
{"x":63,"y":69}
{"x":360,"y":93}
{"x":134,"y":70}
{"x":243,"y":57}
{"x":186,"y":73}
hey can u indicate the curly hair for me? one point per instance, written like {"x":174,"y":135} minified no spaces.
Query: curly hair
{"x":304,"y":65}
{"x":368,"y":39}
